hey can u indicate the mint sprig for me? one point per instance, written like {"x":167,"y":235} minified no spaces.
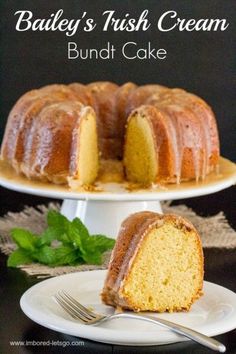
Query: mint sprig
{"x":63,"y":242}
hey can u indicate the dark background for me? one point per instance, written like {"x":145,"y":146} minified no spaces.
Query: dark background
{"x":201,"y":62}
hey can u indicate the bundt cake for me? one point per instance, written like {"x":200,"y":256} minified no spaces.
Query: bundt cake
{"x":156,"y":264}
{"x":57,"y":133}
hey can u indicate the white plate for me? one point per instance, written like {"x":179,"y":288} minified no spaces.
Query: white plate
{"x":117,"y":191}
{"x":214,"y":313}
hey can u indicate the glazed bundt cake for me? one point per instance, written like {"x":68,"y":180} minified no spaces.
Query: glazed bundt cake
{"x":57,"y":133}
{"x":156,"y":264}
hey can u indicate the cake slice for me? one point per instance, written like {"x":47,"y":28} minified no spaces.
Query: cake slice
{"x":63,"y":148}
{"x":156,"y":264}
{"x":169,"y":141}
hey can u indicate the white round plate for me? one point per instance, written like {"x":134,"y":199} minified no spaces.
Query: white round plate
{"x":117,"y":191}
{"x":214,"y":313}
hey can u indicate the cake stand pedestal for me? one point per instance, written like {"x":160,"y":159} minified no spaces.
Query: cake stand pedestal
{"x":105,"y":216}
{"x":104,"y":210}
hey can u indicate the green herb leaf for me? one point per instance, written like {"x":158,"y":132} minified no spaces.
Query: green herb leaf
{"x":24,"y":239}
{"x":63,"y":242}
{"x":45,"y":255}
{"x":67,"y":255}
{"x":59,"y":226}
{"x":95,"y":246}
{"x":19,"y":257}
{"x":77,"y":233}
{"x":80,"y":228}
{"x":102,"y":242}
{"x":46,"y":237}
{"x":95,"y":257}
{"x":57,"y":222}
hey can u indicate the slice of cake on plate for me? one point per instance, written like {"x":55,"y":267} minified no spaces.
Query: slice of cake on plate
{"x":156,"y":264}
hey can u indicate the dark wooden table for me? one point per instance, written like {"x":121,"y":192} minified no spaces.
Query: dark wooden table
{"x":220,"y":267}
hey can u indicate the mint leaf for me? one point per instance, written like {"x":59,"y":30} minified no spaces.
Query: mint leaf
{"x":77,"y":233}
{"x":94,"y":247}
{"x":57,"y":222}
{"x":18,"y":257}
{"x":80,"y":228}
{"x":72,"y":235}
{"x":24,"y":239}
{"x":61,"y":255}
{"x":74,"y":244}
{"x":102,"y":243}
{"x":59,"y":227}
{"x":93,"y":257}
{"x":46,"y":237}
{"x":45,"y":255}
{"x":64,"y":239}
{"x":67,"y":255}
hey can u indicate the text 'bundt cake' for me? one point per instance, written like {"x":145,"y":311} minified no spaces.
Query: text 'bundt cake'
{"x":59,"y":133}
{"x":156,"y":264}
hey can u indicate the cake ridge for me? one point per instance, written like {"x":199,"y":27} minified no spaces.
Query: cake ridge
{"x":182,"y":129}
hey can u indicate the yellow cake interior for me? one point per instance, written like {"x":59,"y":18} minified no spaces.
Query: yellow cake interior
{"x":88,"y":150}
{"x":140,"y":158}
{"x":167,"y":271}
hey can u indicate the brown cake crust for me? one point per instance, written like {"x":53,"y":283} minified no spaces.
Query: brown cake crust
{"x":133,"y":230}
{"x":184,"y":126}
{"x":51,"y":142}
{"x":184,"y":133}
{"x":127,"y":240}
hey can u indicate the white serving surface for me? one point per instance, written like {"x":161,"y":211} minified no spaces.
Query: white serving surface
{"x":104,"y":211}
{"x":118,"y":192}
{"x":214,"y":313}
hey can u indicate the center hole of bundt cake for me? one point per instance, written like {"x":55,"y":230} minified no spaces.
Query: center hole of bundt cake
{"x":140,"y":158}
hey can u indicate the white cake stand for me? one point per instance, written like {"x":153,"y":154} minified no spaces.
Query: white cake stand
{"x":103,"y":211}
